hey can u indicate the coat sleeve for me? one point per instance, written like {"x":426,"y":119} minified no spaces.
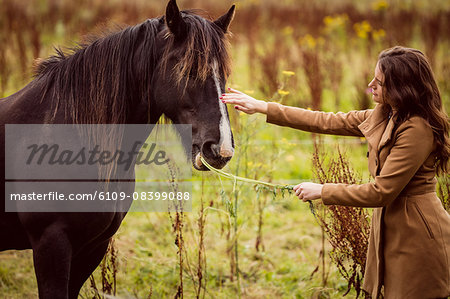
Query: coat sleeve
{"x":316,"y":121}
{"x":413,"y":144}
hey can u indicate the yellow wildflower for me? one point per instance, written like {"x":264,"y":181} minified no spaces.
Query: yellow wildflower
{"x":362,"y":29}
{"x":366,"y":26}
{"x":332,"y":22}
{"x":308,"y":41}
{"x":378,"y":34}
{"x":288,"y":30}
{"x":380,"y":5}
{"x":288,"y":73}
{"x":282,"y":92}
{"x":328,"y":20}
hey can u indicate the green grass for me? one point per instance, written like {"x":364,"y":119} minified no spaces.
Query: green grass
{"x":291,"y":237}
{"x":147,"y":253}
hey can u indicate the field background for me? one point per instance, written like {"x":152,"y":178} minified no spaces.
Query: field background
{"x":312,"y":54}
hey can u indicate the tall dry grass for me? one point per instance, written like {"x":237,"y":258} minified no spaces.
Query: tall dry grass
{"x":109,"y":268}
{"x":28,"y":29}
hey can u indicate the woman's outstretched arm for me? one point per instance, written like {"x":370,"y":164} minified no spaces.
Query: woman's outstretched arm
{"x":312,"y":121}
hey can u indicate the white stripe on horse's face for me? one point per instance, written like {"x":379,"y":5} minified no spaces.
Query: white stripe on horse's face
{"x":226,"y":145}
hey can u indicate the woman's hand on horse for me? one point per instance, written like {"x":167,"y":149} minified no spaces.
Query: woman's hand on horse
{"x":243,"y":102}
{"x":308,"y":191}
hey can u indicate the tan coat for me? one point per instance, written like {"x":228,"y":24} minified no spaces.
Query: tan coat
{"x":410,"y":235}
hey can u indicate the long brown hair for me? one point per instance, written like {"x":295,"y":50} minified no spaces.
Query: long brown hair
{"x":410,"y":88}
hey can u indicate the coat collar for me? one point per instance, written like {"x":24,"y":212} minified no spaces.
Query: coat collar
{"x":378,"y":127}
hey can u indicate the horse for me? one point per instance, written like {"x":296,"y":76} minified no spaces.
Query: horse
{"x":172,"y":66}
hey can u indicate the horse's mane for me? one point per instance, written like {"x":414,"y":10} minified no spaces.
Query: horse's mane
{"x":92,"y":83}
{"x":203,"y":44}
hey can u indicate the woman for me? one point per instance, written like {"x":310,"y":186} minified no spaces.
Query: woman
{"x":408,"y":143}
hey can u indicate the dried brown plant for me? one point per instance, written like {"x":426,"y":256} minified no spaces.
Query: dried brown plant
{"x":177,"y":226}
{"x":109,"y":268}
{"x":347,"y":228}
{"x":312,"y":66}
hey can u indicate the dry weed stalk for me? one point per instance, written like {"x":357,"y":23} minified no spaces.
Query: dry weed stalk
{"x":259,"y":245}
{"x":312,"y":66}
{"x":335,"y":75}
{"x":150,"y":294}
{"x":198,"y":277}
{"x":269,"y":64}
{"x":177,"y":226}
{"x":347,"y":228}
{"x":109,"y":268}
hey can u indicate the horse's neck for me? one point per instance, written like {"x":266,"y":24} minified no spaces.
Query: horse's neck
{"x":26,"y":106}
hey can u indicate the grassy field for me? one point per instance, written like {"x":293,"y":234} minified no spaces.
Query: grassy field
{"x":239,"y":243}
{"x":283,"y":266}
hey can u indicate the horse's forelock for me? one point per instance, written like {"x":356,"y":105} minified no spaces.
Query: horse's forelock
{"x":203,"y":44}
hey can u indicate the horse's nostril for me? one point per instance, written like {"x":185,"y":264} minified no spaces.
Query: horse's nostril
{"x":209,"y":149}
{"x":215,"y":149}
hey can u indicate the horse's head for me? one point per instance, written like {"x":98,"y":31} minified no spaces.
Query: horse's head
{"x":190,"y":79}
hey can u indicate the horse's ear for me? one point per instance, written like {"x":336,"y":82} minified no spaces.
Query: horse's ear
{"x":224,"y":21}
{"x":174,"y":20}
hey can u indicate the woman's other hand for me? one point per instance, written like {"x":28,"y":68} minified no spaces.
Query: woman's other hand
{"x":243,"y":102}
{"x":308,"y":191}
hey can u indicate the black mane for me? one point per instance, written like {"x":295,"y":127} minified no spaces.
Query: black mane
{"x":99,"y":80}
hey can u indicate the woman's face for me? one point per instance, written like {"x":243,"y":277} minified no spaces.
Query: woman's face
{"x":376,"y":85}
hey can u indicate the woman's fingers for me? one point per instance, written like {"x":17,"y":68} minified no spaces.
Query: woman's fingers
{"x":242,"y":108}
{"x":227,"y":100}
{"x":241,"y":101}
{"x":308,"y":191}
{"x":300,"y":192}
{"x":229,"y":96}
{"x":247,"y":103}
{"x":234,"y":90}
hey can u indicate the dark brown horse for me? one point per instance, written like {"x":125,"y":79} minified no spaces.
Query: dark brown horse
{"x":175,"y":65}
